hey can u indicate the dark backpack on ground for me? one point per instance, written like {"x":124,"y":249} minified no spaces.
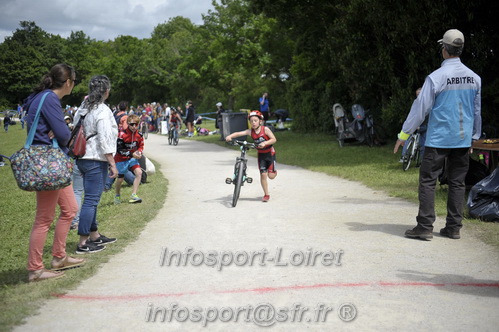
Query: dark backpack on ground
{"x":476,"y":172}
{"x":142,"y":163}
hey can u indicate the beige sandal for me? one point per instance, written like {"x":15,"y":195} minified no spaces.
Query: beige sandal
{"x":43,"y":274}
{"x":65,"y":263}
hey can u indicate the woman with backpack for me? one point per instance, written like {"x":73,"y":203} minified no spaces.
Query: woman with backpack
{"x":99,"y":121}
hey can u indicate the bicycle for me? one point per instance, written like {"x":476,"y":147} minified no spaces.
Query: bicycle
{"x":412,"y":152}
{"x":240,"y":169}
{"x":173,"y":135}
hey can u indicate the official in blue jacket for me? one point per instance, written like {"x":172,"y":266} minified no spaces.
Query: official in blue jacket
{"x":451,"y":97}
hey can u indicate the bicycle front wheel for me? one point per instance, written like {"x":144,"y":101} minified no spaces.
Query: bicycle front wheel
{"x":238,"y":183}
{"x":146,"y":131}
{"x":175,"y":137}
{"x":170,"y":137}
{"x":409,"y":154}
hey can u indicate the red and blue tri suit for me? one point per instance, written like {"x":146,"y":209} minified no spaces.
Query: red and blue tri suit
{"x":174,"y":120}
{"x":266,"y":156}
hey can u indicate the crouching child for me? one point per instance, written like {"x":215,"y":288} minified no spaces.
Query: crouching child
{"x":128,"y":152}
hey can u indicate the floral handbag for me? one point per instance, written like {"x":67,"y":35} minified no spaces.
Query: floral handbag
{"x":41,"y":167}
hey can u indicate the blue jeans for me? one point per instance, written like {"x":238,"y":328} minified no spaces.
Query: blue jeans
{"x":78,"y":190}
{"x":94,"y":177}
{"x":129,"y":178}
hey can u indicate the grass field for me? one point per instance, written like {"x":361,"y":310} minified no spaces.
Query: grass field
{"x":376,"y":167}
{"x":17,"y":211}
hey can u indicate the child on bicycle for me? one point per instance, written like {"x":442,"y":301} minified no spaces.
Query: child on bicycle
{"x":144,"y":121}
{"x":264,"y":140}
{"x":175,"y":119}
{"x":129,"y":150}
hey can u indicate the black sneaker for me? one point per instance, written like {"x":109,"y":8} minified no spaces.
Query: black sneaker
{"x":102,"y":240}
{"x":88,"y":248}
{"x":450,"y":233}
{"x":416,"y":233}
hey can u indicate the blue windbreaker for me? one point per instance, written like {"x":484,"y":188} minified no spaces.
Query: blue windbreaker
{"x":451,"y":95}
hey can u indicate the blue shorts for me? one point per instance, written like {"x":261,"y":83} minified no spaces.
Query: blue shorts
{"x":123,"y":166}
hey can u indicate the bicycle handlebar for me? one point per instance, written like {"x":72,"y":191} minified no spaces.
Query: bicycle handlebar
{"x":243,"y":144}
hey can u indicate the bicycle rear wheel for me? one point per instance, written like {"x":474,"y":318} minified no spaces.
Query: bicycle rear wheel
{"x":409,"y":153}
{"x":170,"y":137}
{"x":238,"y":183}
{"x":370,"y":137}
{"x":417,"y":156}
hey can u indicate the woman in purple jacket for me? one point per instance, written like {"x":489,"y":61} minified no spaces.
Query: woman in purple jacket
{"x":58,"y":83}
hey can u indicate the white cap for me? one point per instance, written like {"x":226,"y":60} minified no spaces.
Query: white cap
{"x":219,"y":104}
{"x":453,"y":37}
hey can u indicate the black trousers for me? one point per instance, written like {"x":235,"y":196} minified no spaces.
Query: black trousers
{"x":457,"y":167}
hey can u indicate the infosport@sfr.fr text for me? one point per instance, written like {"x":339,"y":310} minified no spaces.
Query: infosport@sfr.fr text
{"x":221,"y":259}
{"x":262,"y":314}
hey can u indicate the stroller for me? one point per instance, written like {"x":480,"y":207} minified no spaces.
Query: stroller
{"x":361,"y":129}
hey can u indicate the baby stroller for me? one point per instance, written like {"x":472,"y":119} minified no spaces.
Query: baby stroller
{"x":361,"y":129}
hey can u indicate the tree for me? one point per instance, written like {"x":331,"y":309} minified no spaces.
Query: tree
{"x":25,"y":57}
{"x":377,"y":52}
{"x":238,"y":66}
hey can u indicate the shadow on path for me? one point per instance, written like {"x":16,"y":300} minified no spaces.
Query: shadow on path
{"x":453,"y":283}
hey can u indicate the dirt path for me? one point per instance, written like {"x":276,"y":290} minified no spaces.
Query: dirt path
{"x":367,"y":275}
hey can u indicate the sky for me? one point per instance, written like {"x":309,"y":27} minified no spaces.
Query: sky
{"x":98,"y":19}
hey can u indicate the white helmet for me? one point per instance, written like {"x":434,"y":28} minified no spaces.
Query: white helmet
{"x":219,"y":104}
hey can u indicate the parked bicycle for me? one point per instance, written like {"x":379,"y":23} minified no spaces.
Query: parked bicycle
{"x":240,"y":176}
{"x":412,"y":151}
{"x":173,"y":135}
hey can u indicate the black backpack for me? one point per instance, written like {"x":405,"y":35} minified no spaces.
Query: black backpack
{"x":476,"y":173}
{"x":142,"y":163}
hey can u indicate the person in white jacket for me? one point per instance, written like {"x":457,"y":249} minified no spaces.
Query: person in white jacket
{"x":102,"y":130}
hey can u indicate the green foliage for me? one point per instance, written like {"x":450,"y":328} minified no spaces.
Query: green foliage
{"x":24,"y":57}
{"x":307,"y":54}
{"x":377,"y":53}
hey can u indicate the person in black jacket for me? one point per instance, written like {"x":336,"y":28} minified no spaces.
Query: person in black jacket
{"x":6,"y":122}
{"x":189,"y":118}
